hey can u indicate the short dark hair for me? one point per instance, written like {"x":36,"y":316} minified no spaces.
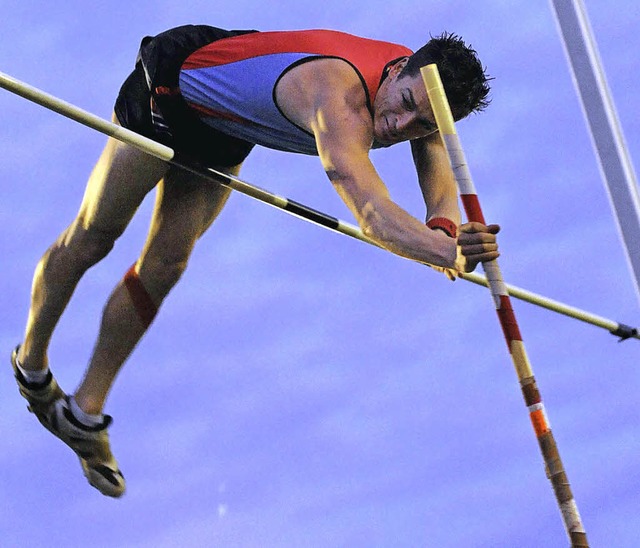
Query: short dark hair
{"x":463,"y":76}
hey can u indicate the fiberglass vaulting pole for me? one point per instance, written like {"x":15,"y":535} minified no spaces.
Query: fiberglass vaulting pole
{"x":532,"y":397}
{"x":302,"y":211}
{"x":606,"y":132}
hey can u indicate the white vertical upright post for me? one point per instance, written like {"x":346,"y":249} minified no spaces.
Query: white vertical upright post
{"x":606,"y":133}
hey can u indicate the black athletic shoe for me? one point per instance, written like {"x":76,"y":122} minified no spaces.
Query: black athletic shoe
{"x":50,"y":405}
{"x":91,"y":444}
{"x":40,"y":396}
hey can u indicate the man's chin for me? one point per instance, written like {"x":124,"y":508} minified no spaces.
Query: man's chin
{"x":384,"y":140}
{"x":378,"y":143}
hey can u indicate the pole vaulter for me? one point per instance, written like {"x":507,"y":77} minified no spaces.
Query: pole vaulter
{"x":618,"y":329}
{"x":532,"y":397}
{"x":500,"y":291}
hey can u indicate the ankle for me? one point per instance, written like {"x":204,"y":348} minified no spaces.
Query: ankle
{"x":32,"y":376}
{"x":86,"y":404}
{"x":40,"y":377}
{"x":32,"y":361}
{"x":85,"y":417}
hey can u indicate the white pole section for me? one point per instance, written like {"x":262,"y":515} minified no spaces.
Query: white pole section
{"x":606,"y":133}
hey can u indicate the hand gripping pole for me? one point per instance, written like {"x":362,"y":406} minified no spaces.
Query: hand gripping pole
{"x":502,"y":301}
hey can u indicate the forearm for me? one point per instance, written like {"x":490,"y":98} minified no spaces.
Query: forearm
{"x":436,"y":179}
{"x":443,"y":204}
{"x":382,"y":220}
{"x":394,"y":229}
{"x":344,"y":153}
{"x":385,"y":222}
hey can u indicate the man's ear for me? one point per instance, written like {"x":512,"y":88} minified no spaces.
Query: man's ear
{"x":397,"y":67}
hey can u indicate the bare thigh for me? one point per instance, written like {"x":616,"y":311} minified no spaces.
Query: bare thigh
{"x":118,"y":183}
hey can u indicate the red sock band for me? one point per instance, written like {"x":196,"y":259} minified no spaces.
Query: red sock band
{"x":142,"y":302}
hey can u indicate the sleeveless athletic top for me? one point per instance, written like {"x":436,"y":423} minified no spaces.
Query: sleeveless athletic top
{"x":231,"y":82}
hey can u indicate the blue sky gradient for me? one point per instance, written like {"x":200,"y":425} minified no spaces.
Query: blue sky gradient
{"x":300,"y":389}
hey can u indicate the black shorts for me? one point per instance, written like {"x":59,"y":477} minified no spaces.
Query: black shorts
{"x":166,"y":117}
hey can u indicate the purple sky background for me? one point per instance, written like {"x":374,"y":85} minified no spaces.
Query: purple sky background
{"x":300,"y":389}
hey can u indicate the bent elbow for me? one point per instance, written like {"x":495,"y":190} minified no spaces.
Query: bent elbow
{"x":372,"y":223}
{"x":369,"y":231}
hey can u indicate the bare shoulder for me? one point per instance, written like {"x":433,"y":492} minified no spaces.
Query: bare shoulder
{"x":320,"y":84}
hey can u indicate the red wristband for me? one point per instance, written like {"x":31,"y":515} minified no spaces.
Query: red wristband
{"x":449,"y":227}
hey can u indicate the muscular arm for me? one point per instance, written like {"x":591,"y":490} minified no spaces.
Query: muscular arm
{"x":336,"y":113}
{"x":381,"y":219}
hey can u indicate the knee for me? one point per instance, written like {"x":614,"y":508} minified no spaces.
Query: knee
{"x":80,"y":247}
{"x":92,"y":244}
{"x":160,"y":274}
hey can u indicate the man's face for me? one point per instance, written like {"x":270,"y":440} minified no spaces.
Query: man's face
{"x":401,"y":108}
